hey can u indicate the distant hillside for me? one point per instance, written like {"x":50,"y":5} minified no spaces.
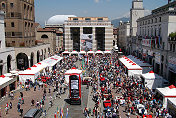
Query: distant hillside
{"x":115,"y":22}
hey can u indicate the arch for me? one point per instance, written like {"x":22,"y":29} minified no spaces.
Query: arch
{"x":32,"y":59}
{"x":38,"y":56}
{"x":22,"y":61}
{"x":44,"y":36}
{"x":9,"y":59}
{"x":41,"y":55}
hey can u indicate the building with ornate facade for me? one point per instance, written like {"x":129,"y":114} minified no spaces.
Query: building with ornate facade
{"x":88,"y":33}
{"x":155,"y":40}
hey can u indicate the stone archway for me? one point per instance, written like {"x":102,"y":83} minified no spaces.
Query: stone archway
{"x":38,"y":56}
{"x":32,"y":59}
{"x":22,"y":61}
{"x":9,"y":59}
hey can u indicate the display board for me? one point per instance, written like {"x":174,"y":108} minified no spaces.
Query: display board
{"x":86,"y":42}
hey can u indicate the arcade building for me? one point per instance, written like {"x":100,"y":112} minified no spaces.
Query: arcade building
{"x":88,"y":33}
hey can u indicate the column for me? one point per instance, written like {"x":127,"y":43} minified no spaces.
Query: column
{"x":94,"y":45}
{"x":81,"y":32}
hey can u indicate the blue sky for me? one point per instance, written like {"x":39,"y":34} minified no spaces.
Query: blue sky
{"x":44,"y":9}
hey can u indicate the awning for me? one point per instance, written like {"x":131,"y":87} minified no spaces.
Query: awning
{"x":74,"y":52}
{"x":99,"y":52}
{"x":66,"y":52}
{"x":73,"y":71}
{"x":90,"y":52}
{"x":107,"y":52}
{"x":167,"y":92}
{"x":51,"y":61}
{"x":82,"y":52}
{"x":5,"y":81}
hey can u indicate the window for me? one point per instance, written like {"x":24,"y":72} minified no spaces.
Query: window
{"x":87,"y":18}
{"x":75,"y":18}
{"x":13,"y":33}
{"x":31,"y":24}
{"x":25,"y":24}
{"x":12,"y":14}
{"x":13,"y":41}
{"x":11,"y":5}
{"x":100,"y":18}
{"x":0,"y":44}
{"x":5,"y":34}
{"x":4,"y":24}
{"x":12,"y":24}
{"x":155,"y":20}
{"x":3,"y":5}
{"x":160,"y":19}
{"x":28,"y":24}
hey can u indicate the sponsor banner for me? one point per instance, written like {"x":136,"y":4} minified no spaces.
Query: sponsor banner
{"x":157,"y":57}
{"x":146,"y":42}
{"x":86,"y":42}
{"x":172,"y":64}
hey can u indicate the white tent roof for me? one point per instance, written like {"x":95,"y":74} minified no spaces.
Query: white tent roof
{"x":90,"y":52}
{"x":173,"y":101}
{"x":107,"y":52}
{"x":99,"y":52}
{"x":130,"y":64}
{"x":4,"y":80}
{"x":138,"y":61}
{"x":151,"y":75}
{"x":66,"y":52}
{"x":51,"y":61}
{"x":73,"y":71}
{"x":74,"y":52}
{"x":82,"y":52}
{"x":167,"y":92}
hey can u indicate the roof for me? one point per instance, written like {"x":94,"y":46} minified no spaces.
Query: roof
{"x":151,"y":75}
{"x":129,"y":63}
{"x":46,"y":30}
{"x":73,"y":71}
{"x":167,"y":92}
{"x":58,"y":19}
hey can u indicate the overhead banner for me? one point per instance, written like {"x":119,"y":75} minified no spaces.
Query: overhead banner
{"x":86,"y":42}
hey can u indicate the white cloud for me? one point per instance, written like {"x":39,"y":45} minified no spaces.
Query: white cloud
{"x":97,"y":1}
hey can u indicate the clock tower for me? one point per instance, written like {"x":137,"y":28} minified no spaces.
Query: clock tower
{"x":136,"y":12}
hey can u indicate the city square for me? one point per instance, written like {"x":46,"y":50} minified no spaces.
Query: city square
{"x":87,"y":64}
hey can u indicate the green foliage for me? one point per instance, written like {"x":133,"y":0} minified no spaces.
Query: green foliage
{"x":172,"y":35}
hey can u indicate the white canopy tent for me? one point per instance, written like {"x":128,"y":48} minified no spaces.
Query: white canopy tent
{"x":14,"y":72}
{"x":146,"y":67}
{"x":153,"y":80}
{"x":90,"y":52}
{"x":65,"y":53}
{"x":82,"y":52}
{"x":99,"y":52}
{"x":74,"y":52}
{"x":5,"y":81}
{"x":107,"y":52}
{"x":72,"y":71}
{"x":132,"y":68}
{"x":167,"y":92}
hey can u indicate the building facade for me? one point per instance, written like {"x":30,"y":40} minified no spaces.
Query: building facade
{"x":124,"y":33}
{"x":155,"y":43}
{"x":7,"y":55}
{"x":88,"y":33}
{"x":19,"y":22}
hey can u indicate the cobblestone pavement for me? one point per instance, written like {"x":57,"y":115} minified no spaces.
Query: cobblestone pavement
{"x":28,"y":96}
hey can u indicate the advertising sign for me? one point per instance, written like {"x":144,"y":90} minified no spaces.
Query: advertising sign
{"x":157,"y":57}
{"x":86,"y":42}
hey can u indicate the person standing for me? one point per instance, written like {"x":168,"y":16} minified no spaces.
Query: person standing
{"x":10,"y":105}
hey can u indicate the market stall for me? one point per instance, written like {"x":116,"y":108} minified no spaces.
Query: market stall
{"x":81,"y":54}
{"x":153,"y":80}
{"x":146,"y":67}
{"x":107,"y":52}
{"x":130,"y":67}
{"x":66,"y":53}
{"x":90,"y":52}
{"x":74,"y":53}
{"x":51,"y":62}
{"x":99,"y":52}
{"x":171,"y":106}
{"x":72,"y":71}
{"x":164,"y":93}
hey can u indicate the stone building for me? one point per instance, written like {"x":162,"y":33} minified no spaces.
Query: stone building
{"x":19,"y":22}
{"x":154,"y":41}
{"x":88,"y":33}
{"x":7,"y":54}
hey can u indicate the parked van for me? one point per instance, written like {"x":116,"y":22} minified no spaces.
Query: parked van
{"x":33,"y":113}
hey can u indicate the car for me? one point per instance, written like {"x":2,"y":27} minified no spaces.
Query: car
{"x":33,"y":113}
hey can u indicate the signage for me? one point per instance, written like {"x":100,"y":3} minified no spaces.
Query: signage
{"x":86,"y":42}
